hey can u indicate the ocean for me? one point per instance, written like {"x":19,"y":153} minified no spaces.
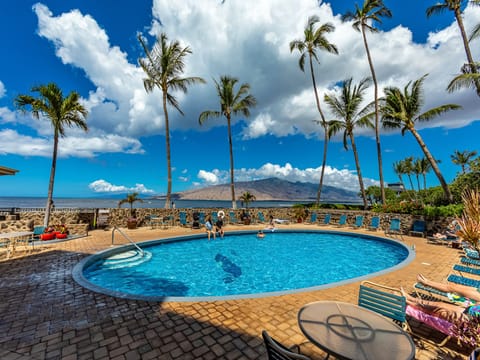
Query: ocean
{"x":110,"y":203}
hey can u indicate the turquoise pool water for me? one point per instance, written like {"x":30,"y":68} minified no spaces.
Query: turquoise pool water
{"x":241,"y":265}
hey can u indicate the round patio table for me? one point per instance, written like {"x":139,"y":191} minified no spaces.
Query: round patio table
{"x":348,"y":331}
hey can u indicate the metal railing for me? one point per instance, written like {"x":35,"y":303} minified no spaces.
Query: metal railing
{"x":126,"y":237}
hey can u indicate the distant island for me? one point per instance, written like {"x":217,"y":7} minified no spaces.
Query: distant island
{"x":271,"y":189}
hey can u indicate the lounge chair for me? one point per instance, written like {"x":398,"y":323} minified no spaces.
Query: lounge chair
{"x":313,"y":218}
{"x":394,"y":228}
{"x":418,"y":228}
{"x":466,"y":269}
{"x":326,"y":219}
{"x":277,"y":351}
{"x":463,"y":280}
{"x":471,"y":253}
{"x":201,"y":218}
{"x":342,"y":221}
{"x":470,"y":262}
{"x":183,"y":218}
{"x":374,"y":223}
{"x":430,"y":293}
{"x":37,"y":231}
{"x":358,"y":222}
{"x":214,"y":216}
{"x":232,"y":219}
{"x":260,"y":217}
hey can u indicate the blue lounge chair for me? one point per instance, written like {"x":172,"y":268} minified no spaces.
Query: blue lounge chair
{"x":343,"y":220}
{"x":183,"y":218}
{"x":214,"y":216}
{"x":358,"y":222}
{"x":471,"y":253}
{"x":201,"y":217}
{"x":466,"y":269}
{"x":463,"y":280}
{"x":260,"y":217}
{"x":418,"y":228}
{"x":470,"y":262}
{"x":232,"y":219}
{"x":374,"y":223}
{"x":313,"y":218}
{"x":394,"y":228}
{"x":37,"y":231}
{"x":326,"y":219}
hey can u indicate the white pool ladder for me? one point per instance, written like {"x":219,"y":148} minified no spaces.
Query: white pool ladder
{"x":128,"y":238}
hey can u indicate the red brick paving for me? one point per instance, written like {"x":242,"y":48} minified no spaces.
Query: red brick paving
{"x":45,"y":314}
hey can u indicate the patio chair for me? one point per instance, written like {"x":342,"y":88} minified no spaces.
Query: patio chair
{"x":260,"y":217}
{"x":342,"y":221}
{"x":463,"y":280}
{"x":374,"y":223}
{"x":277,"y":351}
{"x":466,"y":269}
{"x":37,"y":231}
{"x":430,"y":293}
{"x":201,"y":218}
{"x":418,"y":228}
{"x":183,"y":218}
{"x":313,"y":218}
{"x":326,"y":219}
{"x":358,"y":222}
{"x":394,"y":228}
{"x":232,"y":219}
{"x":470,"y":262}
{"x":214,"y":216}
{"x":471,"y":253}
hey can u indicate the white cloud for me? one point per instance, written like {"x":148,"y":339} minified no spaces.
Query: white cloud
{"x":102,"y":186}
{"x":345,"y":179}
{"x":2,"y":90}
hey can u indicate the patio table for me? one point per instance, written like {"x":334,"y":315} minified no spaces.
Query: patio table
{"x":348,"y":331}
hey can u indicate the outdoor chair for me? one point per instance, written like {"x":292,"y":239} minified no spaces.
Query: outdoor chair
{"x":466,"y":269}
{"x":418,"y":228}
{"x":462,"y":280}
{"x":260,"y":217}
{"x":394,"y":228}
{"x":358,"y":222}
{"x":37,"y":231}
{"x":232,"y":219}
{"x":313,"y":218}
{"x":326,"y":219}
{"x":470,"y":262}
{"x":214,"y":216}
{"x":183,"y":218}
{"x":374,"y":223}
{"x":277,"y":351}
{"x":201,"y":217}
{"x":342,"y":221}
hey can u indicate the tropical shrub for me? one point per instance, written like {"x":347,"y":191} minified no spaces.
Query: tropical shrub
{"x":470,"y":220}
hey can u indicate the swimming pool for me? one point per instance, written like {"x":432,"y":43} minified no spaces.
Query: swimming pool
{"x":240,"y":265}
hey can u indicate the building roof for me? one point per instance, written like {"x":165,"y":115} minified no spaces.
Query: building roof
{"x":7,"y":171}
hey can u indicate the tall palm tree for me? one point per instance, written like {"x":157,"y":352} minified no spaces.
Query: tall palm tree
{"x":425,"y":168}
{"x":231,"y":103}
{"x":164,"y":66}
{"x":247,"y":197}
{"x":456,"y":7}
{"x":363,"y":20}
{"x":314,"y":39}
{"x":62,"y":112}
{"x":130,"y":199}
{"x":462,"y":158}
{"x":402,"y":110}
{"x":409,"y":170}
{"x":347,"y":108}
{"x":417,"y":170}
{"x":399,"y":169}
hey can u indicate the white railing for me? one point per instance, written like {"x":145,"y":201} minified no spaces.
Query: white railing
{"x":126,"y":237}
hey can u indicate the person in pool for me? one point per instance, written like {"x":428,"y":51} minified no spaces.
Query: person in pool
{"x":260,"y":234}
{"x":466,"y":298}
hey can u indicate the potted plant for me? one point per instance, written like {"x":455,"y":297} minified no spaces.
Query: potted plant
{"x":301,"y":213}
{"x":246,"y":198}
{"x":131,"y":198}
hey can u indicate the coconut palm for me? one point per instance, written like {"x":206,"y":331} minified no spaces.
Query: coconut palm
{"x":456,"y":7}
{"x":164,"y":66}
{"x":462,"y":158}
{"x":130,"y":199}
{"x":425,"y":168}
{"x":402,"y":110}
{"x":247,"y":198}
{"x":346,"y":108}
{"x":363,"y":21}
{"x":409,"y":170}
{"x":62,"y":112}
{"x":234,"y":103}
{"x":466,"y":79}
{"x":314,"y":39}
{"x":399,"y":169}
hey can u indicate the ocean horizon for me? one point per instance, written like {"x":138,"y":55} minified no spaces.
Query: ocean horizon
{"x":110,"y":203}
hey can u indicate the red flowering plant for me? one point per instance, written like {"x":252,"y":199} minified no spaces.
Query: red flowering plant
{"x":467,"y":331}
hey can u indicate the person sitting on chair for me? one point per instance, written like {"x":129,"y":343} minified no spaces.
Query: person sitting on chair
{"x":219,"y":226}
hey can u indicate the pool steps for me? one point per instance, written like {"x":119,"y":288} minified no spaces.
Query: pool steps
{"x":126,"y":259}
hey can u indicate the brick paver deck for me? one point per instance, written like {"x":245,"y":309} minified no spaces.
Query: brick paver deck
{"x":45,"y":314}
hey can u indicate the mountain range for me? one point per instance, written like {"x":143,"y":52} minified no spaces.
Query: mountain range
{"x":270,"y":190}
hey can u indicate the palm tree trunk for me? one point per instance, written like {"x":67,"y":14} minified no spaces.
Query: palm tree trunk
{"x":359,"y":172}
{"x":434,"y":164}
{"x":167,"y":144}
{"x":232,"y":175}
{"x":377,"y":122}
{"x":48,"y":206}
{"x":324,"y":125}
{"x":471,"y":62}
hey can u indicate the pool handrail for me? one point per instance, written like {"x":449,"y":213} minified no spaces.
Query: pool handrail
{"x":128,"y":238}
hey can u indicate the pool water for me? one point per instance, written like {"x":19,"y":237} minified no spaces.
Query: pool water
{"x":242,"y":264}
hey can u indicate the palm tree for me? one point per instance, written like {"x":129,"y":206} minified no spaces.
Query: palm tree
{"x":62,"y":111}
{"x":409,"y":170}
{"x":314,"y":39}
{"x":231,"y":103}
{"x":462,"y":158}
{"x":247,"y":198}
{"x":130,"y":199}
{"x":399,"y":169}
{"x":164,"y":65}
{"x":363,"y":20}
{"x":425,"y":168}
{"x":347,"y":108}
{"x":402,"y":110}
{"x":456,"y":7}
{"x":465,"y":79}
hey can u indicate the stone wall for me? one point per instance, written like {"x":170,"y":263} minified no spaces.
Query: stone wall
{"x":80,"y":221}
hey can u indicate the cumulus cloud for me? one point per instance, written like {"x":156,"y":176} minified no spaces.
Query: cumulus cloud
{"x":346,"y":179}
{"x":102,"y":186}
{"x":2,"y":89}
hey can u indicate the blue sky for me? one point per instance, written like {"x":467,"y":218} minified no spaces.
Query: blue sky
{"x":92,"y":47}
